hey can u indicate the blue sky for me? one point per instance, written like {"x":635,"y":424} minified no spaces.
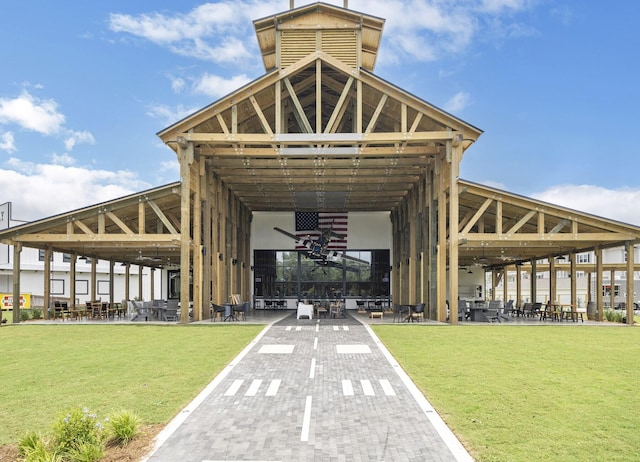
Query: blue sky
{"x":85,"y":87}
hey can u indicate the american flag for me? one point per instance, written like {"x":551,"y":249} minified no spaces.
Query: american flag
{"x":307,"y":224}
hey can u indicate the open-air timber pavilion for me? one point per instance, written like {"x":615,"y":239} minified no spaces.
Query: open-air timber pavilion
{"x":319,"y":131}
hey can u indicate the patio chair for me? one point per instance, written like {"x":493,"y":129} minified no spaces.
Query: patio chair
{"x":171,"y":311}
{"x":218,"y":311}
{"x":399,"y":312}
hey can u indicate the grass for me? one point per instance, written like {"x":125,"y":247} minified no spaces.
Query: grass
{"x":153,"y":371}
{"x":524,"y":393}
{"x":510,"y":393}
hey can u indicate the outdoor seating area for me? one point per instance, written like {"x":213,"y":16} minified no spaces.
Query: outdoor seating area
{"x":235,"y":310}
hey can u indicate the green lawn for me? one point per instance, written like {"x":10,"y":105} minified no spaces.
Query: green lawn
{"x":510,"y":393}
{"x":522,"y":393}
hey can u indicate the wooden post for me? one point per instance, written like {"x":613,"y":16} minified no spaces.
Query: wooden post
{"x":574,"y":284}
{"x":112,"y":276}
{"x":140,"y":271}
{"x":17,"y":249}
{"x":94,"y":279}
{"x":185,"y":155}
{"x":72,"y":281}
{"x":630,"y":283}
{"x":454,"y":172}
{"x":47,"y":282}
{"x":599,"y":294}
{"x":553,"y":296}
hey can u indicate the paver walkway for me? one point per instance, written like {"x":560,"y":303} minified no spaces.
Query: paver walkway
{"x":310,"y":390}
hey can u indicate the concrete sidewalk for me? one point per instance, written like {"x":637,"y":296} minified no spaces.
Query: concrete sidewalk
{"x":310,"y":390}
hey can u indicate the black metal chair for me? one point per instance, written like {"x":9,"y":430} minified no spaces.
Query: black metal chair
{"x":217,"y":310}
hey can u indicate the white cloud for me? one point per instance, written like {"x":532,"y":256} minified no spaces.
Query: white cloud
{"x":168,"y":115}
{"x":615,"y":204}
{"x":216,"y":86}
{"x":62,"y":159}
{"x":457,"y":103}
{"x":225,"y":24}
{"x":177,"y":84}
{"x":32,"y":113}
{"x":218,"y":31}
{"x":7,"y":143}
{"x":78,"y":137}
{"x":56,"y":189}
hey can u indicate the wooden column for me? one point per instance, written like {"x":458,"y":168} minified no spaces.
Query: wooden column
{"x":206,"y":243}
{"x":612,"y":293}
{"x":185,"y":155}
{"x":505,"y":284}
{"x":553,"y":295}
{"x":140,"y":271}
{"x":411,"y":248}
{"x":599,"y":284}
{"x":47,"y":282}
{"x":198,"y":305}
{"x":518,"y":301}
{"x":441,"y":251}
{"x":94,"y":282}
{"x":534,"y":281}
{"x":72,"y":281}
{"x":112,"y":265}
{"x":17,"y":250}
{"x":454,"y":172}
{"x":127,"y":282}
{"x":630,"y":284}
{"x":574,"y":284}
{"x":152,"y":283}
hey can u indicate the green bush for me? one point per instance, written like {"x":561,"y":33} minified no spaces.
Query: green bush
{"x":33,"y":448}
{"x":123,"y":426}
{"x":24,"y":315}
{"x":86,"y":452}
{"x":78,"y":436}
{"x":36,"y":313}
{"x":75,"y":427}
{"x":614,"y":315}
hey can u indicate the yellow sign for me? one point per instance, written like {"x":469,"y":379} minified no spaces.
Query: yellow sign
{"x":7,"y":300}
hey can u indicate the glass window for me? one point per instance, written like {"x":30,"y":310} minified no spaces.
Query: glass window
{"x":296,"y":274}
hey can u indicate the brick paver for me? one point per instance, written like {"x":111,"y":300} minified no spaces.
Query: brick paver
{"x":310,"y":390}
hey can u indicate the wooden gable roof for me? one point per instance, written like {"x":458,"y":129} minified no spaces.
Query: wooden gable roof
{"x":320,"y":136}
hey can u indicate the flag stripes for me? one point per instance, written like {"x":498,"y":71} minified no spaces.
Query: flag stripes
{"x":307,"y":224}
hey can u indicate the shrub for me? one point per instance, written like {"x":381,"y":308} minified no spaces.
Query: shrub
{"x":86,"y":452}
{"x":36,"y":313}
{"x":76,"y":427}
{"x":33,"y":448}
{"x":614,"y":315}
{"x":123,"y":426}
{"x":24,"y":315}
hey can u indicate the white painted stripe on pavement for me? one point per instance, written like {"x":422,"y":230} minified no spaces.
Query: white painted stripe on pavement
{"x":387,"y":388}
{"x":336,"y":327}
{"x":253,"y":388}
{"x":345,"y":327}
{"x":306,"y":420}
{"x":233,"y":389}
{"x":367,"y":388}
{"x":288,"y":328}
{"x":299,"y":328}
{"x":273,"y":387}
{"x":347,"y":388}
{"x":315,"y":343}
{"x":312,"y":371}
